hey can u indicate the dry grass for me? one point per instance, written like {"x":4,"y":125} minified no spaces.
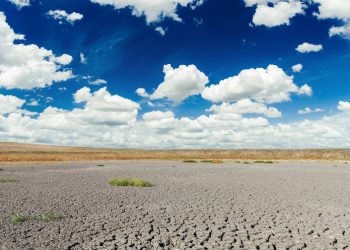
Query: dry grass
{"x":14,"y":152}
{"x":127,"y":182}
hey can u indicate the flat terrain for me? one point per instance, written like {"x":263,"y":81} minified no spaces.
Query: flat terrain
{"x":16,"y":152}
{"x":191,"y":206}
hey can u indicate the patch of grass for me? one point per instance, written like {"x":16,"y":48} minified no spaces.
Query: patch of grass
{"x":50,"y":216}
{"x":127,"y":182}
{"x":190,"y":161}
{"x":246,"y":162}
{"x":19,"y":218}
{"x":264,"y":162}
{"x":100,"y":165}
{"x":7,"y":180}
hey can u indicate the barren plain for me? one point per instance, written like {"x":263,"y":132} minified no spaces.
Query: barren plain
{"x":233,"y":205}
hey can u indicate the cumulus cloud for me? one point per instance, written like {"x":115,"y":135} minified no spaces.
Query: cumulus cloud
{"x":344,"y":106}
{"x":28,"y":66}
{"x":308,"y":110}
{"x":180,"y":83}
{"x":62,"y":15}
{"x":297,"y":67}
{"x":154,"y":11}
{"x":279,"y":14}
{"x":270,"y":85}
{"x":272,"y":13}
{"x":308,"y":47}
{"x":9,"y":104}
{"x":335,"y":9}
{"x":142,"y":92}
{"x":305,"y":90}
{"x":246,"y":106}
{"x":20,"y":3}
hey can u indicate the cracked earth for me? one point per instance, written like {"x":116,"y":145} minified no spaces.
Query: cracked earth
{"x":287,"y":205}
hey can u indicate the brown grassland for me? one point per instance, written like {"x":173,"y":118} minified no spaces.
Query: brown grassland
{"x":16,"y":152}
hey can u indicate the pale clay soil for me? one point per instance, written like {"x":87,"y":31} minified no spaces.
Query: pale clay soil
{"x":286,"y":205}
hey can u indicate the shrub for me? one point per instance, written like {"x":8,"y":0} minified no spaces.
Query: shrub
{"x":127,"y":182}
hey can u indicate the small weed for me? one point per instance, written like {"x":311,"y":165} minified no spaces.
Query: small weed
{"x":19,"y":218}
{"x":50,"y":216}
{"x":100,"y":165}
{"x":212,"y":161}
{"x":126,"y":182}
{"x":7,"y":180}
{"x":264,"y":162}
{"x":246,"y":162}
{"x":237,"y":161}
{"x":190,"y":161}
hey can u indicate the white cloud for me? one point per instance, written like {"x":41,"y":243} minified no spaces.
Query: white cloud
{"x":142,"y":92}
{"x":278,"y":14}
{"x":297,"y":67}
{"x":9,"y":104}
{"x":308,"y":110}
{"x":271,"y":85}
{"x":62,"y":15}
{"x":98,"y":82}
{"x":343,"y":31}
{"x":308,"y":47}
{"x":246,"y":106}
{"x":20,"y":3}
{"x":154,"y":11}
{"x":161,"y":30}
{"x":305,"y":90}
{"x":339,"y":9}
{"x":33,"y":103}
{"x":27,"y":66}
{"x":335,"y":9}
{"x":63,"y":59}
{"x":180,"y":83}
{"x":83,"y":59}
{"x":344,"y":106}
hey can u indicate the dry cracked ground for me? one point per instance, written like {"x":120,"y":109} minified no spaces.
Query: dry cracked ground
{"x":289,"y":205}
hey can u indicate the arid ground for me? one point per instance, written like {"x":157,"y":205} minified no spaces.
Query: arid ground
{"x":284,"y":205}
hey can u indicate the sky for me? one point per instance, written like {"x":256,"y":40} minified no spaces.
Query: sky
{"x":169,"y":74}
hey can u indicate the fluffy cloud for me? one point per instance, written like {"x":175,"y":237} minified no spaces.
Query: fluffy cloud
{"x":245,"y":106}
{"x":308,"y":47}
{"x":154,"y":11}
{"x":9,"y":104}
{"x":344,"y":106}
{"x":305,"y":90}
{"x":297,"y":67}
{"x":179,"y":83}
{"x":83,"y":59}
{"x":160,"y":30}
{"x":308,"y":110}
{"x":20,"y":3}
{"x":272,"y":13}
{"x":28,"y":66}
{"x":271,"y":85}
{"x":62,"y":15}
{"x":335,"y":9}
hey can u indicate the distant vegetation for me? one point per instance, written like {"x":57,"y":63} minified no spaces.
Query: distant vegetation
{"x":127,"y":182}
{"x":100,"y":165}
{"x":7,"y":179}
{"x":264,"y":162}
{"x":212,"y":161}
{"x":190,"y":161}
{"x":47,"y":217}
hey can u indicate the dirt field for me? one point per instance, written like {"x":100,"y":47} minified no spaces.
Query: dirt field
{"x":14,"y":152}
{"x":191,"y":206}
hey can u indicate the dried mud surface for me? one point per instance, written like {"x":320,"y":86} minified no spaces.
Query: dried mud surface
{"x":288,"y":205}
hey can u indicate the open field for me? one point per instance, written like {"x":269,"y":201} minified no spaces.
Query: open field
{"x":285,"y":205}
{"x":14,"y":152}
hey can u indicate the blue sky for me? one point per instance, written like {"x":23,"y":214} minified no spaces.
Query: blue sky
{"x":219,"y":38}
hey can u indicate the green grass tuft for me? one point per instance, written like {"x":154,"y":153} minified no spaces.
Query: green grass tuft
{"x":264,"y":162}
{"x":190,"y":161}
{"x":50,"y":216}
{"x":7,"y":180}
{"x":246,"y":162}
{"x":19,"y":218}
{"x":100,"y":165}
{"x":127,"y":182}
